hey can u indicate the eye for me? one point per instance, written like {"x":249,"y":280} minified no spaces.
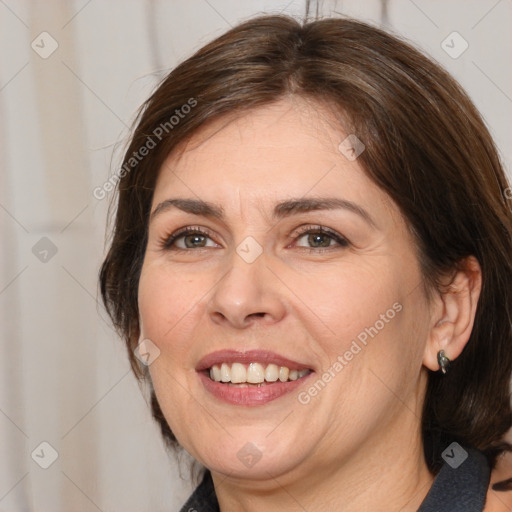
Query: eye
{"x":193,"y":238}
{"x":320,"y":238}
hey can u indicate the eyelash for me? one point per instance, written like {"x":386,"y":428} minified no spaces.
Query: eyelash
{"x":167,"y":242}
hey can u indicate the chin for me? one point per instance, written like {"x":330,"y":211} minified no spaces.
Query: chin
{"x":252,"y":455}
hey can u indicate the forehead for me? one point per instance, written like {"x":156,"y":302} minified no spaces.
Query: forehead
{"x":288,"y":127}
{"x":287,"y":149}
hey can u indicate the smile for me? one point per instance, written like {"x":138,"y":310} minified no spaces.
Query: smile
{"x":250,"y":378}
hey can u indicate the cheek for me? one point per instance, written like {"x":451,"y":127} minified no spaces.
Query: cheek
{"x":349,"y":299}
{"x":372,"y":325}
{"x":167,"y":299}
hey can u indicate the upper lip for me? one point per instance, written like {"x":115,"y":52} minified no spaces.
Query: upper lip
{"x":250,"y":356}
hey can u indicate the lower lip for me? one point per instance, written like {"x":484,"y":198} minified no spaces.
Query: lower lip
{"x":250,"y":395}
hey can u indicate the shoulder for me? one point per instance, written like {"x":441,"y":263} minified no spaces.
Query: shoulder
{"x":500,"y":501}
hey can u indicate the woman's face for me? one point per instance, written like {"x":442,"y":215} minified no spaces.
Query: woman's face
{"x":341,"y":311}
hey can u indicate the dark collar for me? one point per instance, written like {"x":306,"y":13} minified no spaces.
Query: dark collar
{"x":459,"y":487}
{"x":203,"y":499}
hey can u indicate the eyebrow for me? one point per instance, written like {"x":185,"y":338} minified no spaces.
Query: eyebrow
{"x":282,"y":209}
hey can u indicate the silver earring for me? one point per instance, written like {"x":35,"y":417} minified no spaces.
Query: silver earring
{"x":443,"y":361}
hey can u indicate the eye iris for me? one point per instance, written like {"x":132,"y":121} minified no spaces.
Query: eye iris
{"x":194,"y":237}
{"x":313,"y":238}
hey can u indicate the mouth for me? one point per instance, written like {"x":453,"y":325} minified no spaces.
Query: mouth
{"x":250,"y":378}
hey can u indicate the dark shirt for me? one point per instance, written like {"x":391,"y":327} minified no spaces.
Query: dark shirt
{"x":455,"y":489}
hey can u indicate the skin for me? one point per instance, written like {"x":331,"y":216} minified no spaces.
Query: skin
{"x":363,"y":428}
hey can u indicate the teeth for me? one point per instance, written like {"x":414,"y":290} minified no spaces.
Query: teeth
{"x":271,"y":373}
{"x":238,"y":373}
{"x":225,"y":373}
{"x":215,"y":374}
{"x":255,"y":373}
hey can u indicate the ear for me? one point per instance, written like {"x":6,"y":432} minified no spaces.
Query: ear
{"x":453,"y":313}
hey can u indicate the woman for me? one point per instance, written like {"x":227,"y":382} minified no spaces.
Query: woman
{"x":311,"y":258}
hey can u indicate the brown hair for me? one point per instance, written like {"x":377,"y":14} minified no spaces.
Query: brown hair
{"x":427,"y":147}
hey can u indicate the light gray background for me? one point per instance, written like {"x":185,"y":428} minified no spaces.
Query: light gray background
{"x":64,"y":376}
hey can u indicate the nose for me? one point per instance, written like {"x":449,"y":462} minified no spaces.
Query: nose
{"x":247,"y":294}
